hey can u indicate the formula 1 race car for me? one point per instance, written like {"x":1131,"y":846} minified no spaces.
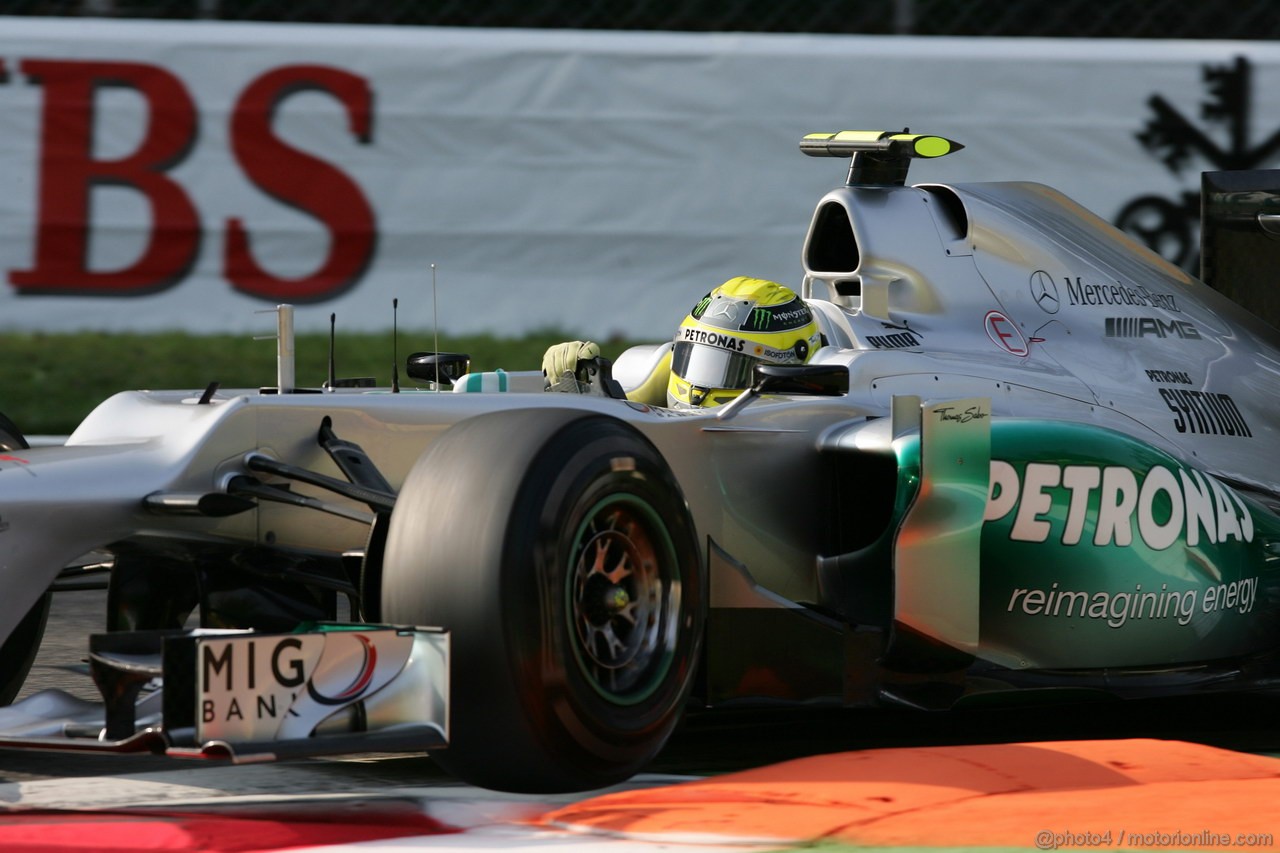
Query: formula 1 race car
{"x":1030,"y":456}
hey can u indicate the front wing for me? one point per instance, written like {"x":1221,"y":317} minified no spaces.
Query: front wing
{"x":246,"y":696}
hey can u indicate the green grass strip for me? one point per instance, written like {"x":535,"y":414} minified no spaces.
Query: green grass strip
{"x":50,"y":382}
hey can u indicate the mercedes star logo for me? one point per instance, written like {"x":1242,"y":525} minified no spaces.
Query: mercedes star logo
{"x":1044,"y":291}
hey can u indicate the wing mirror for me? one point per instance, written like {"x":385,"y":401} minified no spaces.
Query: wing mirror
{"x":812,"y":380}
{"x":445,"y":367}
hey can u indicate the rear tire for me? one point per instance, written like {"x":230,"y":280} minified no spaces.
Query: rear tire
{"x":557,"y":549}
{"x":19,"y":649}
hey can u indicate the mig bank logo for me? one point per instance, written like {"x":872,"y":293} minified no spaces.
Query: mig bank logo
{"x":1221,"y":140}
{"x":253,"y":687}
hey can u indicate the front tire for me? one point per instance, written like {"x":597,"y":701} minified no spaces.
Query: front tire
{"x":557,"y":549}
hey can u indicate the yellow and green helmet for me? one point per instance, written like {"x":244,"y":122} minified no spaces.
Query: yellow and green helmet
{"x":739,"y":324}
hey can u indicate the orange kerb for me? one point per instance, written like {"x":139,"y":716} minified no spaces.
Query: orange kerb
{"x":989,"y":796}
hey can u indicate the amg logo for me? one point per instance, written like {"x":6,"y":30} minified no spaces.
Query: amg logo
{"x":1205,"y":413}
{"x":1150,"y":327}
{"x":895,"y":341}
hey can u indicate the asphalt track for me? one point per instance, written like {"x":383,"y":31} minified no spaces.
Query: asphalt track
{"x":1185,"y":774}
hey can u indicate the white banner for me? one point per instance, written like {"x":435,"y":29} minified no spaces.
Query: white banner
{"x":159,"y":175}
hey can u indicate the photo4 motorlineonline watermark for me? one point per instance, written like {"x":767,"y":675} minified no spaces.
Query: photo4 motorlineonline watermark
{"x":1048,"y":839}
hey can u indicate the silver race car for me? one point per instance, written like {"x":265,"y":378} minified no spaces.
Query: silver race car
{"x":1030,"y":455}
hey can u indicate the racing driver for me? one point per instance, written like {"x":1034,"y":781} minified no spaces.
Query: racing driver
{"x":710,"y":362}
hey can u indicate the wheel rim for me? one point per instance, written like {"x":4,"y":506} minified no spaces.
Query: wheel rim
{"x":623,"y":596}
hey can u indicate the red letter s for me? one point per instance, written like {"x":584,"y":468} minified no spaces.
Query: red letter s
{"x":68,"y":174}
{"x":302,"y":181}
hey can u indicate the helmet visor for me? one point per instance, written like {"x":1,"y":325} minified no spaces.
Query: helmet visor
{"x":711,"y":367}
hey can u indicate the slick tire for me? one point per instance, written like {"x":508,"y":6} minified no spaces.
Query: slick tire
{"x":557,"y":549}
{"x":18,"y":651}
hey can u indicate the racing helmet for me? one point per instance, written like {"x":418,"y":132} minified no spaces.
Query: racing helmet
{"x":742,"y":322}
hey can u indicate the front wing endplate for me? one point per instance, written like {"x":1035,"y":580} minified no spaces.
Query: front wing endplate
{"x":245,"y":696}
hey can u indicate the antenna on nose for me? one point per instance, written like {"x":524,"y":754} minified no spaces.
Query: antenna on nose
{"x":395,"y":356}
{"x":333,"y":373}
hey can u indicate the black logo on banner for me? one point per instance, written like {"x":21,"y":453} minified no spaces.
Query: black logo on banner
{"x":1171,"y":227}
{"x":898,"y":340}
{"x":1173,"y":377}
{"x":1205,"y":413}
{"x":1150,"y":327}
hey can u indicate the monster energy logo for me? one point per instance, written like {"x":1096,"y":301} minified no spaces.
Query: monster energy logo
{"x":777,"y":318}
{"x":702,"y":306}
